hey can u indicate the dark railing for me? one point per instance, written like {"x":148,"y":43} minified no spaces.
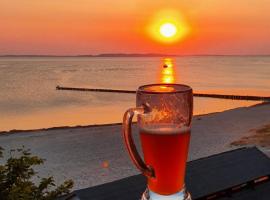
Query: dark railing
{"x":219,"y":96}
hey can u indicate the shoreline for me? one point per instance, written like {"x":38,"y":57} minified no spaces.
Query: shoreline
{"x":14,"y":131}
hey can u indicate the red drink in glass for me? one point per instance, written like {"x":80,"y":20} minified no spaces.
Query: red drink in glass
{"x":166,"y":150}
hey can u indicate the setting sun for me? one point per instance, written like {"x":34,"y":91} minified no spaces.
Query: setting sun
{"x":168,"y":30}
{"x":168,"y":26}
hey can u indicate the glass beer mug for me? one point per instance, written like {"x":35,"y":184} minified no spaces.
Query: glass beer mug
{"x":164,"y":113}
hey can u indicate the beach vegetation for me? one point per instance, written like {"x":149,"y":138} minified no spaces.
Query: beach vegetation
{"x":17,"y":177}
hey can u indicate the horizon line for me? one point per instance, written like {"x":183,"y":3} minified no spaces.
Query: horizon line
{"x":125,"y":55}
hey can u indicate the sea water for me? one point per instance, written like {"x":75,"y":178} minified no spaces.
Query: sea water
{"x":29,"y":100}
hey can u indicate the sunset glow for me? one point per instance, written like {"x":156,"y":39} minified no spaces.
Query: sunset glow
{"x":94,"y":27}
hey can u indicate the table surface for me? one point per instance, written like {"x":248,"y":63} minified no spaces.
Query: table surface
{"x":230,"y":175}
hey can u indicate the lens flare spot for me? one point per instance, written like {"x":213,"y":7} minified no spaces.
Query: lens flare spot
{"x":105,"y":164}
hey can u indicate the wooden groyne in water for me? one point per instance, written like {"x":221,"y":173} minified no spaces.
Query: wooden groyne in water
{"x":95,"y":90}
{"x":219,"y":96}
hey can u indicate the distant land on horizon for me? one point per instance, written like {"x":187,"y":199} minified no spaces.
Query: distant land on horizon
{"x":94,"y":55}
{"x":126,"y":55}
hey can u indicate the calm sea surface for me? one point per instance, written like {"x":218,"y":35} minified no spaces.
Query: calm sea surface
{"x":28,"y":98}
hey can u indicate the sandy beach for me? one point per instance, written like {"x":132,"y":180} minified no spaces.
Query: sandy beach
{"x":95,"y":155}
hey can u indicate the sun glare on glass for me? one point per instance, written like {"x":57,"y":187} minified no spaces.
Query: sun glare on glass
{"x":168,"y":30}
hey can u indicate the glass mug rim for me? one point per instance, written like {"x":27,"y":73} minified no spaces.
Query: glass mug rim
{"x":178,"y":88}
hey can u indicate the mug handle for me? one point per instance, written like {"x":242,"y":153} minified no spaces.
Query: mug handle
{"x":146,"y":170}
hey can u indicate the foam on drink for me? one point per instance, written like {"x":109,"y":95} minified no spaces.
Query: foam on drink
{"x":164,"y":129}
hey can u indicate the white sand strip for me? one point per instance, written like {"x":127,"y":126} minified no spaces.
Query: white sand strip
{"x":83,"y":154}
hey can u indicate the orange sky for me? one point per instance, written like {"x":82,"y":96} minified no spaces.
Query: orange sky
{"x":68,"y":27}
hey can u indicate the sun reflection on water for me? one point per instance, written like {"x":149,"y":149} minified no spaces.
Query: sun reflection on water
{"x":167,"y":74}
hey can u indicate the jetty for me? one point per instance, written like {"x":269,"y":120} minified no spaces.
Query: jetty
{"x":219,"y":96}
